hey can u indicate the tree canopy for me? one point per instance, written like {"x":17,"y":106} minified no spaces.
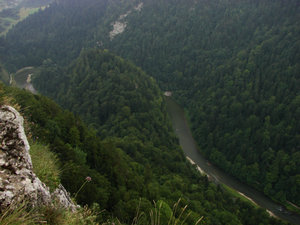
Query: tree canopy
{"x":234,"y":65}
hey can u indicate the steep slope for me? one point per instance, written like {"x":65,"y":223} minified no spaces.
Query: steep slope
{"x":13,"y":11}
{"x":233,"y":64}
{"x":236,"y":68}
{"x":61,"y":31}
{"x":127,"y":109}
{"x":110,"y":93}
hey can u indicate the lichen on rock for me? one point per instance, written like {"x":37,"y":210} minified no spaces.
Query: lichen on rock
{"x":17,"y":180}
{"x":62,"y":197}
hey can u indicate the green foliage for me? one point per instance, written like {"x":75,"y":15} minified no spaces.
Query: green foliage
{"x":60,"y":216}
{"x":162,"y":213}
{"x":233,"y":64}
{"x":4,"y":76}
{"x":119,"y":168}
{"x":138,"y":153}
{"x":21,"y":213}
{"x":45,"y":165}
{"x":13,"y":12}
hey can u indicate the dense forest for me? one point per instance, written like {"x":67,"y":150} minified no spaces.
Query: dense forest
{"x":234,"y":65}
{"x":236,"y":69}
{"x":237,"y":72}
{"x":136,"y":158}
{"x":59,"y":32}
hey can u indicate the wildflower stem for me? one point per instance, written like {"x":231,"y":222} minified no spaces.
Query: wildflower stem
{"x":80,"y":188}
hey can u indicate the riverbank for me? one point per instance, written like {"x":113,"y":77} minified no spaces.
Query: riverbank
{"x":22,"y":79}
{"x":190,"y":148}
{"x":234,"y":193}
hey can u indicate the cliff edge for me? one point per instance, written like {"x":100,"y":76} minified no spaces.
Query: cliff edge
{"x":17,"y":179}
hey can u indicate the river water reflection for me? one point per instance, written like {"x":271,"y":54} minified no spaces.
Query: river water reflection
{"x":189,"y":147}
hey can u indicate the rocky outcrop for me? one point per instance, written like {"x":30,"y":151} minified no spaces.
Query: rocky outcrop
{"x":17,"y":180}
{"x":120,"y":25}
{"x":62,"y":197}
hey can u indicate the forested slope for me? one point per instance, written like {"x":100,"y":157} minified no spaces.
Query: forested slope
{"x":129,"y":165}
{"x":236,"y":69}
{"x":233,"y":64}
{"x":60,"y":32}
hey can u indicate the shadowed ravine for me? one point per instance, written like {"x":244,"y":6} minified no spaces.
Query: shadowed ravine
{"x":189,"y":147}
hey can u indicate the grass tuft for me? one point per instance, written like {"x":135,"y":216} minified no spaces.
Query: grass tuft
{"x":177,"y":216}
{"x":20,"y":214}
{"x":45,"y":165}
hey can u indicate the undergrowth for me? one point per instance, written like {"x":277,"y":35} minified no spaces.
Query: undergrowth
{"x":45,"y":165}
{"x":20,"y":214}
{"x":23,"y":214}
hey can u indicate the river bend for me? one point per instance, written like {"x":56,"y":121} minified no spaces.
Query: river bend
{"x":189,"y":147}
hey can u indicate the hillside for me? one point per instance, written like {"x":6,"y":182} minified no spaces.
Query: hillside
{"x":137,"y":157}
{"x":14,"y":11}
{"x":235,"y":68}
{"x":234,"y":65}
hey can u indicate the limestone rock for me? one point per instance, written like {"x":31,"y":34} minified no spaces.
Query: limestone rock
{"x":17,"y":180}
{"x":63,"y":198}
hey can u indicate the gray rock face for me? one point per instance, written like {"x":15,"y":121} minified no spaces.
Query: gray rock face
{"x":63,"y":198}
{"x":17,"y":180}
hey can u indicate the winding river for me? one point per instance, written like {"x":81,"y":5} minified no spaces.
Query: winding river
{"x":189,"y":147}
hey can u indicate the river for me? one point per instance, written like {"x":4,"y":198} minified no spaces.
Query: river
{"x":189,"y":147}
